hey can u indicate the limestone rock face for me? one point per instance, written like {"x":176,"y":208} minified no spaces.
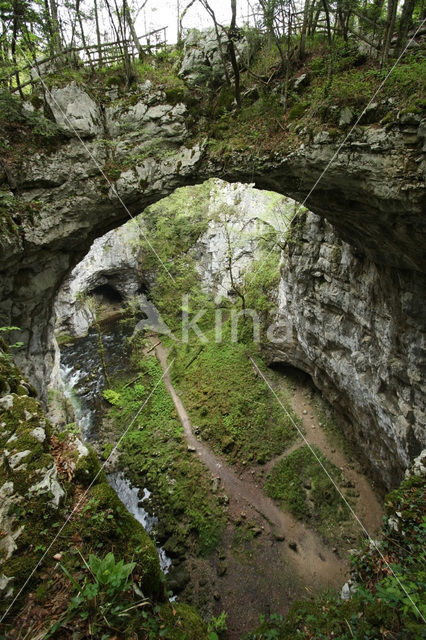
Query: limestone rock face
{"x":74,"y":111}
{"x":80,"y":200}
{"x":369,"y":187}
{"x":359,"y":330}
{"x":239,"y":215}
{"x":356,"y":327}
{"x":364,"y":186}
{"x":113,"y":262}
{"x":202,"y":58}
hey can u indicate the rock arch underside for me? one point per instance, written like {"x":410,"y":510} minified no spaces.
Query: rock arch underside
{"x":352,"y":287}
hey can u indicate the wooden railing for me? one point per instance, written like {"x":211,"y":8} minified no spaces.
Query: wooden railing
{"x":93,"y":56}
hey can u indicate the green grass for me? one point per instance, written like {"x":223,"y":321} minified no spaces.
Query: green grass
{"x":303,"y":488}
{"x":228,"y":402}
{"x":155,"y":455}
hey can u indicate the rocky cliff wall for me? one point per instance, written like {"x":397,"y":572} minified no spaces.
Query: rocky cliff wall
{"x":359,"y":329}
{"x":112,"y":262}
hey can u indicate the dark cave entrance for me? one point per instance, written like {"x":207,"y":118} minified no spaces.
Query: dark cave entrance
{"x":106,"y":293}
{"x":295,"y":375}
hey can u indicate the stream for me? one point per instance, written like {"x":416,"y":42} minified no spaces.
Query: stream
{"x":84,"y":380}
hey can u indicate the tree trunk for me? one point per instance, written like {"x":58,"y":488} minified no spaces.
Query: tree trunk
{"x":330,"y":70}
{"x":232,"y":53}
{"x":288,"y":62}
{"x":98,"y":32}
{"x":181,"y":17}
{"x":57,"y":44}
{"x":15,"y":29}
{"x":122,"y":29}
{"x":405,"y":24}
{"x":327,"y":19}
{"x":117,"y":35}
{"x":49,"y":27}
{"x":378,"y":7}
{"x":389,"y":27}
{"x":314,"y":17}
{"x":132,"y":29}
{"x":83,"y":37}
{"x":234,"y":285}
{"x":304,"y":30}
{"x":219,"y":39}
{"x":268,"y":19}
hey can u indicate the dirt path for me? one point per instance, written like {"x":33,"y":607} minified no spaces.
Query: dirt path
{"x":368,"y":507}
{"x":315,"y":564}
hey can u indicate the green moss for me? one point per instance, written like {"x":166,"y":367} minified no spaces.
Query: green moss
{"x":260,"y":281}
{"x":389,"y":118}
{"x":228,"y":402}
{"x":99,"y":524}
{"x":294,"y":233}
{"x":421,"y":103}
{"x":180,"y":94}
{"x":300,"y":484}
{"x":88,"y":469}
{"x":183,"y":623}
{"x":297,"y":111}
{"x":64,"y":338}
{"x":225,"y":100}
{"x":123,"y":526}
{"x":107,"y":449}
{"x":191,"y":516}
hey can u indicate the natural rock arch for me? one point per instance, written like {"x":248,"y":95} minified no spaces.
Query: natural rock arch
{"x":372,"y":204}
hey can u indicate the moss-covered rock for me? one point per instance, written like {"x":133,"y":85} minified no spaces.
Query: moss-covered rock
{"x":183,"y":623}
{"x":56,"y":511}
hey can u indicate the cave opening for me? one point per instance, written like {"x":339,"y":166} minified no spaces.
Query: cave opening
{"x":107,"y":293}
{"x":294,"y":374}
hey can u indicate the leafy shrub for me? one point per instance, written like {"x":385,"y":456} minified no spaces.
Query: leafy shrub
{"x":217,"y":625}
{"x":113,"y":397}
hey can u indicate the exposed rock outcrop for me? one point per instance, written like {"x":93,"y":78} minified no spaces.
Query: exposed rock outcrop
{"x":207,"y":61}
{"x":74,"y":111}
{"x":238,"y":215}
{"x":111,"y":266}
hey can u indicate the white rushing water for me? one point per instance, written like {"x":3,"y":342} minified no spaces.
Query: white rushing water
{"x":73,"y":377}
{"x":129,"y":496}
{"x":70,"y":378}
